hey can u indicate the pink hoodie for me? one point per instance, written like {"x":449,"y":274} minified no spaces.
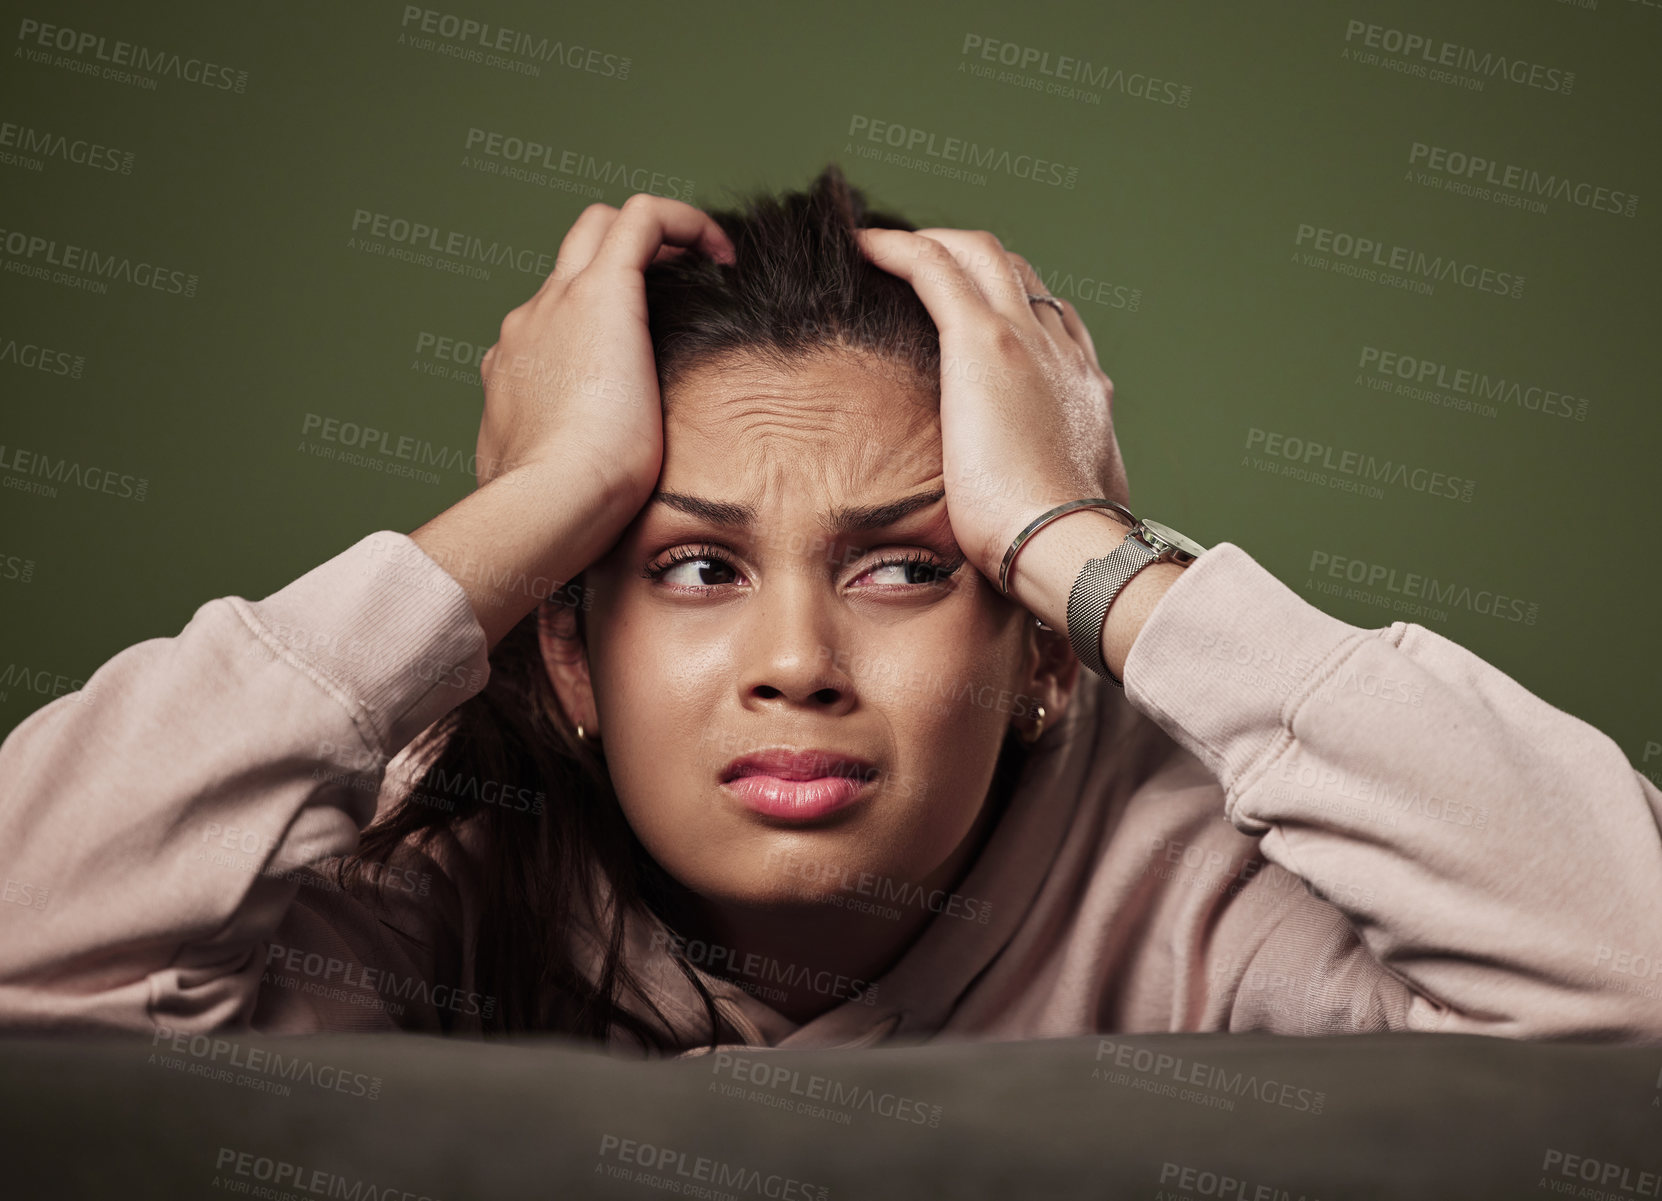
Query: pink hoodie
{"x":1286,"y":823}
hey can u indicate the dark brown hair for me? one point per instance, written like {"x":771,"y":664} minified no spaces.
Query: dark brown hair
{"x":799,"y":285}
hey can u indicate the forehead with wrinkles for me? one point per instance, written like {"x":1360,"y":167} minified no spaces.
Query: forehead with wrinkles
{"x":841,"y":422}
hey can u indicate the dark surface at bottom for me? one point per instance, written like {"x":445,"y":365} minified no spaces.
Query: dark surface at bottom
{"x":396,"y":1118}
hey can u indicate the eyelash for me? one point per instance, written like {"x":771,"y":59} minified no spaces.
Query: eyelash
{"x":691,"y":554}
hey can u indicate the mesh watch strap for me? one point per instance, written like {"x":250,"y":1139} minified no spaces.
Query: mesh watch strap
{"x":1100,"y":580}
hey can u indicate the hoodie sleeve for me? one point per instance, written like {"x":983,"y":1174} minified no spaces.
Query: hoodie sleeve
{"x":160,"y":821}
{"x":1498,"y":858}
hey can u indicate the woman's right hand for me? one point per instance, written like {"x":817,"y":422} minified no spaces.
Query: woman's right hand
{"x":571,"y":440}
{"x":571,"y":383}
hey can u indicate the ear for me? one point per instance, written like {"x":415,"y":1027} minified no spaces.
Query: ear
{"x":1052,"y":673}
{"x":566,"y":659}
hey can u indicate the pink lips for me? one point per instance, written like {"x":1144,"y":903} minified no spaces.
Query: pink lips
{"x":796,"y":785}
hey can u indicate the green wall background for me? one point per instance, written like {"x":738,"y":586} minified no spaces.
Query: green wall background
{"x":1210,"y":134}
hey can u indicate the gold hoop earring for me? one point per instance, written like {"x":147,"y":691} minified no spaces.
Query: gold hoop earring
{"x":1038,"y":726}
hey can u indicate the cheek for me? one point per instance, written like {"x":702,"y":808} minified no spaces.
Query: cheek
{"x":659,"y":686}
{"x":949,"y":712}
{"x":933,"y":682}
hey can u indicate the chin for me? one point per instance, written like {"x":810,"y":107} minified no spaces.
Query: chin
{"x":786,"y":870}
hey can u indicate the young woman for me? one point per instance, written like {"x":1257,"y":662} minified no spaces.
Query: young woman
{"x":706,"y":719}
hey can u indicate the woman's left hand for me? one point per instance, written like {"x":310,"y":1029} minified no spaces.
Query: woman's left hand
{"x":1026,"y":411}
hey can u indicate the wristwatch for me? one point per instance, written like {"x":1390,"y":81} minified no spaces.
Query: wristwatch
{"x":1100,"y":581}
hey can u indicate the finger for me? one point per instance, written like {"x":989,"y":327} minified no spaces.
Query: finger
{"x":577,"y":248}
{"x":647,"y":222}
{"x":666,"y":252}
{"x":1045,"y":314}
{"x":1071,"y":322}
{"x":1075,"y":325}
{"x":984,"y":259}
{"x":945,"y":288}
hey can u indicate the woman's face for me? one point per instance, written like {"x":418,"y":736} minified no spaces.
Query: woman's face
{"x":735,"y":617}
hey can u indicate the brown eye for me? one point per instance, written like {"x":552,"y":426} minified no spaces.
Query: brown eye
{"x":693,"y":567}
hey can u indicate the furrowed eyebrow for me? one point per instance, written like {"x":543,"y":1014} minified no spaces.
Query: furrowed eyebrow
{"x":849,"y":520}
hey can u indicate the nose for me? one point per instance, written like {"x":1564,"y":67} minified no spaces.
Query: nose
{"x":792,"y":654}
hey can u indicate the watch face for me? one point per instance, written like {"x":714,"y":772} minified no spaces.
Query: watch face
{"x":1163,"y":537}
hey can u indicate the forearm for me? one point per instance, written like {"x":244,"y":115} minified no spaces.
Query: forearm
{"x":517,"y":539}
{"x":158,"y":814}
{"x":1049,"y":564}
{"x":1455,"y":818}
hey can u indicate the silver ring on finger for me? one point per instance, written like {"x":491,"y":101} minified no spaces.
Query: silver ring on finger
{"x":1033,"y":298}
